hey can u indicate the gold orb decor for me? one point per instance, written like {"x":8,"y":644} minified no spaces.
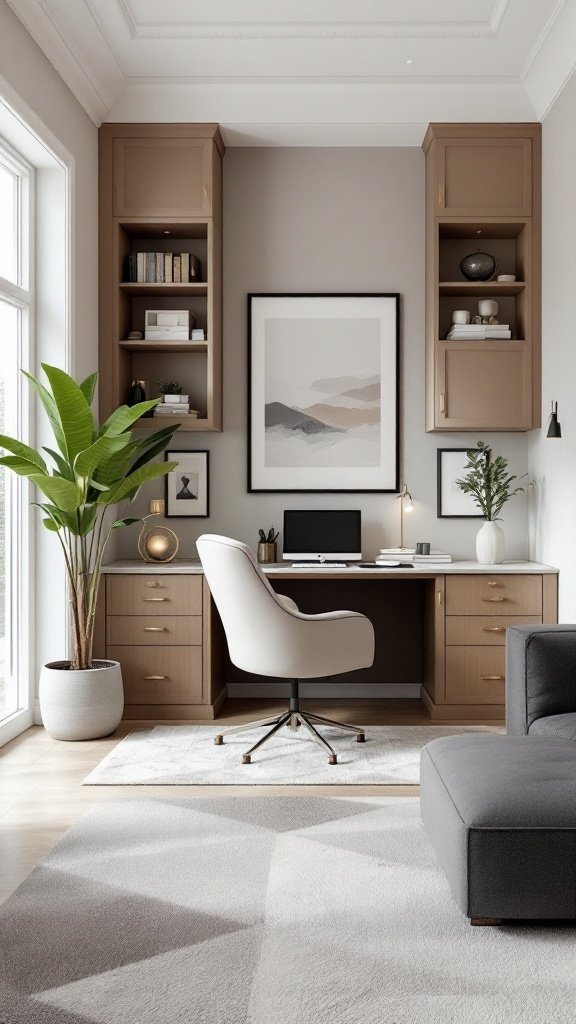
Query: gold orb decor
{"x":159,"y":544}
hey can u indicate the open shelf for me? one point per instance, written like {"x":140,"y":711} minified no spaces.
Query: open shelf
{"x":164,"y":346}
{"x":481,"y":288}
{"x":186,"y":422}
{"x":178,"y":288}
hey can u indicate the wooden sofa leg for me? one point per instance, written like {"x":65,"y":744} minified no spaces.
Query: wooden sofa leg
{"x":484,"y":922}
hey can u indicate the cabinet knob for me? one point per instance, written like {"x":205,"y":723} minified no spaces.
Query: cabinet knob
{"x":155,"y":677}
{"x":493,"y":629}
{"x":491,"y":678}
{"x":154,"y":629}
{"x":154,"y":599}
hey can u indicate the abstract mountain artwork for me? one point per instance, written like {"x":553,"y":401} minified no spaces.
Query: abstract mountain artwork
{"x":325,"y":416}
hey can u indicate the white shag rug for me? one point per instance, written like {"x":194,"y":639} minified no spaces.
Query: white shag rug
{"x":265,"y":910}
{"x":185,"y":755}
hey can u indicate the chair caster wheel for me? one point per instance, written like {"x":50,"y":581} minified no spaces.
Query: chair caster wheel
{"x":361,"y":737}
{"x":218,"y":740}
{"x":333,"y":759}
{"x":246,"y":759}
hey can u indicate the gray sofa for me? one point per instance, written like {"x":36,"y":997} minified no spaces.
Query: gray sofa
{"x":500,"y":811}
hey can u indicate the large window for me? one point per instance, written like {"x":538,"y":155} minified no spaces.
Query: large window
{"x":16,"y":319}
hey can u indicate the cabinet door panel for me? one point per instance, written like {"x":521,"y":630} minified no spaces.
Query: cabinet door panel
{"x":475,"y":675}
{"x":485,"y":177}
{"x":160,"y":675}
{"x":162,"y":177}
{"x":484,"y":386}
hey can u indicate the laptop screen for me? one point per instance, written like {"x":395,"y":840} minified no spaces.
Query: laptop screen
{"x":334,"y":534}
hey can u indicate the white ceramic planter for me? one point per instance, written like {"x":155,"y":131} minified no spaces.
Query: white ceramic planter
{"x":490,"y":544}
{"x":81,"y":704}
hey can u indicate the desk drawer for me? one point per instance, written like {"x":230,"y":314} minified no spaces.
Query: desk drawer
{"x":487,"y":630}
{"x":160,"y":675}
{"x":153,"y":594}
{"x":475,"y":675}
{"x":175,"y":630}
{"x":494,"y":594}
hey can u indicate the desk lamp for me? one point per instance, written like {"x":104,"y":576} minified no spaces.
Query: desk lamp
{"x":406,"y":504}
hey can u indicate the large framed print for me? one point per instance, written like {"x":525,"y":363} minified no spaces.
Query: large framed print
{"x":323,"y":392}
{"x":187,"y":486}
{"x":452,"y":502}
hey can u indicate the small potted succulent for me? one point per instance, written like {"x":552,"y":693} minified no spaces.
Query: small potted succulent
{"x":267,"y":546}
{"x":170,"y":391}
{"x":89,"y":471}
{"x":489,"y":483}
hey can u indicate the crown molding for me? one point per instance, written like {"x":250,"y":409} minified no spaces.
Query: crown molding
{"x":312,"y":30}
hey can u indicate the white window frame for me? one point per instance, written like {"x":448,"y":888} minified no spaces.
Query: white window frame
{"x":20,"y":584}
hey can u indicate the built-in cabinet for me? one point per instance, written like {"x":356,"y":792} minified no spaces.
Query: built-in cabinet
{"x":483,"y":185}
{"x":161,"y":192}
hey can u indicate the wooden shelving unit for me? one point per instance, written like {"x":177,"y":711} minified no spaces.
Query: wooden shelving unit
{"x":161,"y":191}
{"x":483,"y":185}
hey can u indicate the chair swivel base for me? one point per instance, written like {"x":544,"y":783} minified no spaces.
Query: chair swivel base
{"x":293,"y":718}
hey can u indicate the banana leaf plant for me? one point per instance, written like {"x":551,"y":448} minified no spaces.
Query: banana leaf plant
{"x":91,"y":470}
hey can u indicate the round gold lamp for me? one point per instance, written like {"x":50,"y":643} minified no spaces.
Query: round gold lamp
{"x":158,"y":544}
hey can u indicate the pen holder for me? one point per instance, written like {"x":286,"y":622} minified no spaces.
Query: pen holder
{"x":266,"y":553}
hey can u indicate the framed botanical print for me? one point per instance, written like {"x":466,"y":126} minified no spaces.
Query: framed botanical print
{"x":452,"y":502}
{"x":187,"y":487}
{"x":323,"y":392}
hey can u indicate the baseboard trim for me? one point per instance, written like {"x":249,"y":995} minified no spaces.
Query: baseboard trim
{"x":493,"y":713}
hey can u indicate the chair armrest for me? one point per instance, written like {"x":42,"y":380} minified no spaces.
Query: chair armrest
{"x":540,"y":674}
{"x":287,"y":603}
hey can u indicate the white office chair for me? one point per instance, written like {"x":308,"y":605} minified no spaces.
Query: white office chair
{"x":269,"y":636}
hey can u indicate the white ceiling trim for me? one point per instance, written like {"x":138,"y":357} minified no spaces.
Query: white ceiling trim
{"x":321,"y":80}
{"x":40,"y":21}
{"x":555,"y":14}
{"x":312,"y":30}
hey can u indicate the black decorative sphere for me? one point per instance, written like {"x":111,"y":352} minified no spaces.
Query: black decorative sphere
{"x":478,"y":266}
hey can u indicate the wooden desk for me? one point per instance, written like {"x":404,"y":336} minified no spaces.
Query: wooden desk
{"x":161,"y":624}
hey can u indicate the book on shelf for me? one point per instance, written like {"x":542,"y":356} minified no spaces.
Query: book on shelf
{"x":179,"y":409}
{"x":162,"y":268}
{"x":140,"y":266}
{"x":150,"y":267}
{"x":479,"y":332}
{"x":168,"y":267}
{"x":132,"y":274}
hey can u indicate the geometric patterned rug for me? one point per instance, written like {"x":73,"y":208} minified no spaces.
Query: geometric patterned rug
{"x":185,"y":755}
{"x":264,"y":910}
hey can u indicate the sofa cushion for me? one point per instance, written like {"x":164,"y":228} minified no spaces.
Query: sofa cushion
{"x":562,"y":726}
{"x":500,"y":812}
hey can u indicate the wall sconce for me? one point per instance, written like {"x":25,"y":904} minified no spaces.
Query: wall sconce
{"x":406,"y":505}
{"x":554,"y":428}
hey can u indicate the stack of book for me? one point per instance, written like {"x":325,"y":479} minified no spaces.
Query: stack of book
{"x":434,"y":557}
{"x":479,"y":332}
{"x":175,"y":409}
{"x":408,"y":556}
{"x":162,"y":268}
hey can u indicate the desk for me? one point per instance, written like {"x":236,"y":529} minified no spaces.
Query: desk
{"x":160,"y":622}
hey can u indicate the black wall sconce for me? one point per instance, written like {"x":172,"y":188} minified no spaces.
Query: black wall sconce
{"x":554,"y":428}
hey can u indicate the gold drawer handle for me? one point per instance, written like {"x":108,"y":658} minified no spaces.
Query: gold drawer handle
{"x":154,"y":629}
{"x":150,"y":583}
{"x":154,"y":598}
{"x":492,"y":583}
{"x":493,"y":629}
{"x":488,"y":600}
{"x":491,"y":678}
{"x":155,"y":677}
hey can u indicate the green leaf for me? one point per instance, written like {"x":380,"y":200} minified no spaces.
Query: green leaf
{"x":86,"y":519}
{"x":88,"y":387}
{"x":125,"y":522}
{"x":23,"y":451}
{"x":62,"y":466}
{"x":125,"y":417}
{"x":51,"y":411}
{"x":51,"y":525}
{"x":20,"y":466}
{"x":163,"y":437}
{"x":62,"y":493}
{"x":87,"y":461}
{"x":73,"y":410}
{"x":135,"y":480}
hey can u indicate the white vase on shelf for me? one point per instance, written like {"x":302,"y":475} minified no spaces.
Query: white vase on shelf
{"x":490,"y":544}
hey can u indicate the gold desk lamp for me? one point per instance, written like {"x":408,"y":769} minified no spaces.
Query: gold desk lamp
{"x":158,"y":544}
{"x":406,"y":505}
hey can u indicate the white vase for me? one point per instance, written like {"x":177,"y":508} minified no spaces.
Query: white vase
{"x":490,"y":544}
{"x":81,"y":704}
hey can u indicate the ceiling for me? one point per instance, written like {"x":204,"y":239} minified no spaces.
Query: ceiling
{"x":338,"y":72}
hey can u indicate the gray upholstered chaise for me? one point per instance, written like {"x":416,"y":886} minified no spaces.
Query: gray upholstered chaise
{"x":501,"y":810}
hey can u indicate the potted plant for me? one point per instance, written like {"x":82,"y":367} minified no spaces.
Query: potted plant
{"x":489,"y":483}
{"x":90,"y":471}
{"x":267,"y":546}
{"x":170,"y":391}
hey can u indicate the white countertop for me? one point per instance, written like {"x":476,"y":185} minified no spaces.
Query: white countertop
{"x":191,"y":566}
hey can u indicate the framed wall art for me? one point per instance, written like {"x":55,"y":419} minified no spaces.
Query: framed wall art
{"x":187,"y":487}
{"x":452,"y":502}
{"x":323,"y":392}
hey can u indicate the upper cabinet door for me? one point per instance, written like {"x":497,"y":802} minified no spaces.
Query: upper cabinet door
{"x":162,"y":177}
{"x":484,"y":177}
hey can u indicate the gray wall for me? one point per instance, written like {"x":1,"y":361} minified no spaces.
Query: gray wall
{"x":331,"y":220}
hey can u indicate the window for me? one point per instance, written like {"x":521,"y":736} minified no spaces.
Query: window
{"x":16,"y":319}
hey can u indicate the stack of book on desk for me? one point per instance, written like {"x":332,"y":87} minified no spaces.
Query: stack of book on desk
{"x":408,"y":556}
{"x":434,"y":557}
{"x":479,"y":332}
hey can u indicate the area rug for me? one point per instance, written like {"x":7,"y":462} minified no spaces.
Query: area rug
{"x":185,"y":755}
{"x":270,"y":910}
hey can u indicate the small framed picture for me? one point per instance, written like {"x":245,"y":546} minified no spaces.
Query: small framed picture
{"x":187,"y":487}
{"x":452,"y":502}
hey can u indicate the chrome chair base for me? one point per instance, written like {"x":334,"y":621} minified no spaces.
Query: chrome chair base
{"x":293,"y":718}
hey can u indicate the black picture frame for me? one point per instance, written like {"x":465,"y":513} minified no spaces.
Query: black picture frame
{"x":446,"y":473}
{"x":254,"y":485}
{"x":198,"y":466}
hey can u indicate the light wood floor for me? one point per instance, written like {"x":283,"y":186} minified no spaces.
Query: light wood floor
{"x":41,"y":793}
